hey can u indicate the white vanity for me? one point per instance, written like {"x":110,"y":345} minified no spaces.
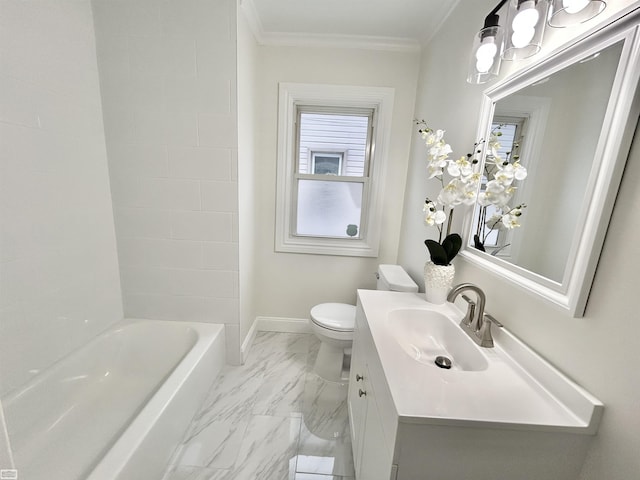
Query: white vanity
{"x":499,"y":413}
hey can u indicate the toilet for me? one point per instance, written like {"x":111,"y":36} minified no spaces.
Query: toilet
{"x":333,"y":324}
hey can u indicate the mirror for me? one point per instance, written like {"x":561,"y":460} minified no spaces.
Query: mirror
{"x":554,"y":125}
{"x":568,"y":121}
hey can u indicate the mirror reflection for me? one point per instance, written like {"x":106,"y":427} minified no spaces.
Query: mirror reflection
{"x":546,"y":134}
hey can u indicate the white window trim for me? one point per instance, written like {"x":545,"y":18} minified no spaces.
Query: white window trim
{"x":292,"y":94}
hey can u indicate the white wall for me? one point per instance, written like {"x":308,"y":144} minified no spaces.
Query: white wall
{"x":599,"y":351}
{"x":247,"y":154}
{"x":59,"y":283}
{"x":288,"y":285}
{"x":168,"y":83}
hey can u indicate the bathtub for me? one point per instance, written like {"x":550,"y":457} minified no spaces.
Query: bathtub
{"x":117,"y":408}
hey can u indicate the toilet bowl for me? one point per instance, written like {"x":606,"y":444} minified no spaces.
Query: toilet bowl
{"x":333,"y":324}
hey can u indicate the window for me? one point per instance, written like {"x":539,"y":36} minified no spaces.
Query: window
{"x":329,"y":199}
{"x":329,"y":172}
{"x":511,"y":129}
{"x":324,"y":163}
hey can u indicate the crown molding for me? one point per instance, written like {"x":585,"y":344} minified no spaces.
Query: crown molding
{"x":341,"y":41}
{"x":286,"y":39}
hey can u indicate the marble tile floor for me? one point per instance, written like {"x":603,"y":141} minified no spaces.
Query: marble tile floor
{"x":270,"y":419}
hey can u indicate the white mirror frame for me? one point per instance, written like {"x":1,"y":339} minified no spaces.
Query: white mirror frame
{"x":610,"y":156}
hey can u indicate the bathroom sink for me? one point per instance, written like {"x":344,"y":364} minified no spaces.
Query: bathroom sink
{"x":508,"y":386}
{"x":427,"y":335}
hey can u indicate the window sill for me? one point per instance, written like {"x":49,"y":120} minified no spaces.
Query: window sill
{"x":327,"y":246}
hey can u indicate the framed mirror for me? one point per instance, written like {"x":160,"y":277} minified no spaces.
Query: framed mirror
{"x":566,"y":124}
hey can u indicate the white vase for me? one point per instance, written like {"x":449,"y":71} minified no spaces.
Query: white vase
{"x":438,"y":280}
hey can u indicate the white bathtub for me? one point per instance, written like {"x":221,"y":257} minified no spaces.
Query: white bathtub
{"x":116,"y":408}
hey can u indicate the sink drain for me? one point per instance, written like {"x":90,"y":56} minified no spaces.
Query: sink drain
{"x":443,"y":362}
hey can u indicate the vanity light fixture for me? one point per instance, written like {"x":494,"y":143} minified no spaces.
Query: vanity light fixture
{"x":526,"y":21}
{"x":564,"y":13}
{"x":487,"y":51}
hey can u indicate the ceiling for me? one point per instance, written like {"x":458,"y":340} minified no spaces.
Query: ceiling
{"x":391,"y":22}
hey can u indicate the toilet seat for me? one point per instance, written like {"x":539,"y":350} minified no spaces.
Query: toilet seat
{"x":339,"y":317}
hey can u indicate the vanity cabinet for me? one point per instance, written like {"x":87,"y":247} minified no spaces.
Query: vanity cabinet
{"x":486,"y":420}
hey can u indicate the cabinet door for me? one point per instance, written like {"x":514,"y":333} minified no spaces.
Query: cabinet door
{"x":375,"y":461}
{"x":357,"y":402}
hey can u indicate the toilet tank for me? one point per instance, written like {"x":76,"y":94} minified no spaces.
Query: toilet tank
{"x":395,"y":278}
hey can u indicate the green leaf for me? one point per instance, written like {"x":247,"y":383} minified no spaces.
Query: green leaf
{"x":437,"y":252}
{"x":452,"y":245}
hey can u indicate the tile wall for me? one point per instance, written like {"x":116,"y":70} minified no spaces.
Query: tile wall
{"x":59,"y":282}
{"x":168,"y":83}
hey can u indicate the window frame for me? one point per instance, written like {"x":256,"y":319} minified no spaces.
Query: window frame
{"x":293,"y":95}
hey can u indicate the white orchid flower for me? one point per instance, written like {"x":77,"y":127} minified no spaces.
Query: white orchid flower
{"x":510,"y":221}
{"x":474,"y":179}
{"x":434,"y":169}
{"x":504,"y":197}
{"x":460,"y":168}
{"x":492,"y":190}
{"x":432,"y":137}
{"x":440,"y":151}
{"x":469,"y":188}
{"x":496,"y":193}
{"x":433,"y":216}
{"x":505,"y":175}
{"x":470,"y":194}
{"x":520,"y":172}
{"x":439,"y":162}
{"x":483,"y":199}
{"x":495,"y":187}
{"x":495,"y":222}
{"x":453,"y":193}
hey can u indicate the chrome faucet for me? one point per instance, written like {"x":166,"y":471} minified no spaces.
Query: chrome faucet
{"x":476,"y":322}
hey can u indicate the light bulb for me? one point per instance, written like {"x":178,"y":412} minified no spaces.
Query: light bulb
{"x":483,"y":65}
{"x":487,"y":51}
{"x":574,"y":6}
{"x":527,"y":16}
{"x":523,"y":37}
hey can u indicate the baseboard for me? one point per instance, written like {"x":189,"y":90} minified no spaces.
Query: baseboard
{"x":248,"y":342}
{"x":282,"y":324}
